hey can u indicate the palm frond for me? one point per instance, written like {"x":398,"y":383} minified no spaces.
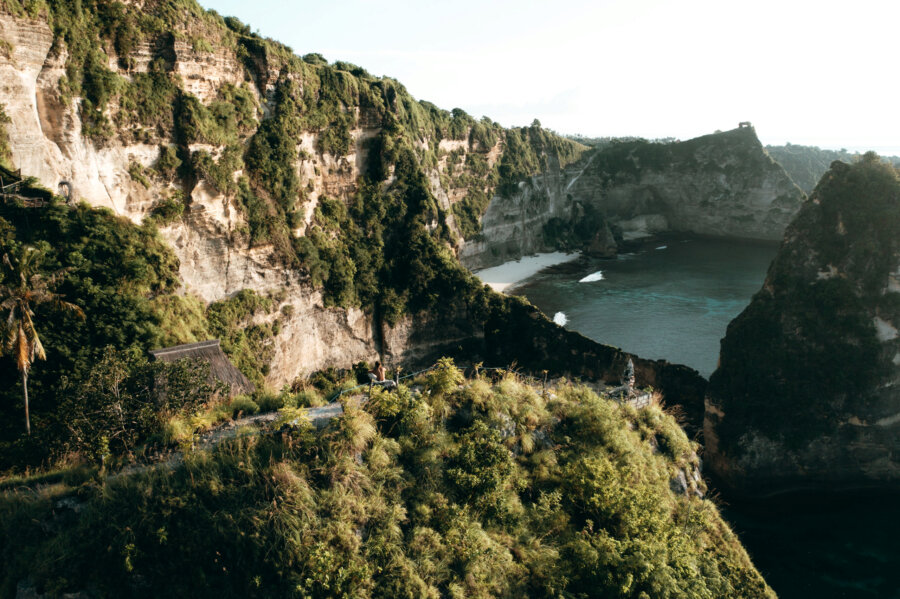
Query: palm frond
{"x":22,"y":351}
{"x":37,"y":348}
{"x":70,"y":307}
{"x":11,"y":330}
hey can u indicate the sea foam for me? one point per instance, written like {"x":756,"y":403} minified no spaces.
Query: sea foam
{"x":597,"y":276}
{"x":560,"y":319}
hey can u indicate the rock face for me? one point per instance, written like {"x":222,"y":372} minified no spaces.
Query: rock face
{"x":806,"y":394}
{"x":47,"y":141}
{"x":722,"y":184}
{"x":513,"y":225}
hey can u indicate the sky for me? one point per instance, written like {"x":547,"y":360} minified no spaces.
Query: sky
{"x":809,"y":72}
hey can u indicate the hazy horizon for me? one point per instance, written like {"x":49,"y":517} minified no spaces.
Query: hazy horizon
{"x":803,"y":72}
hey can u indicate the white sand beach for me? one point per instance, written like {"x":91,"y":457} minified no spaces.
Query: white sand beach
{"x":504,"y":277}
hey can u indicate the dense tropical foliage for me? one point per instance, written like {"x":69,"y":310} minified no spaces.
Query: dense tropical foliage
{"x":478,"y":488}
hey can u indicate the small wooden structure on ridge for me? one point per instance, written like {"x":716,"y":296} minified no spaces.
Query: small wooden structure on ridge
{"x":220,"y":367}
{"x":14,"y":189}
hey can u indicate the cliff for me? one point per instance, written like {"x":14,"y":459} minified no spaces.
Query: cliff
{"x":722,"y":184}
{"x":538,"y":214}
{"x":254,"y":164}
{"x":805,"y":395}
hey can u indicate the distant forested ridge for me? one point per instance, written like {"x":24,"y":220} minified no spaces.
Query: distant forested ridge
{"x":807,"y":164}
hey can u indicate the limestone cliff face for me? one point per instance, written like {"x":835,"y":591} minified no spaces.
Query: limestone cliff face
{"x":806,"y":393}
{"x":722,"y":184}
{"x":47,"y":140}
{"x":513,"y":224}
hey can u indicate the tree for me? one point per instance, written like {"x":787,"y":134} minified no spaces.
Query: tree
{"x":23,"y":287}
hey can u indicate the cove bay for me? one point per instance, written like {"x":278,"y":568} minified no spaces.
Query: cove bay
{"x":669,"y":299}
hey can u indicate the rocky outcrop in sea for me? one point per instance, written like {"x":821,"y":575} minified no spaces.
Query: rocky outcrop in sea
{"x":806,"y":392}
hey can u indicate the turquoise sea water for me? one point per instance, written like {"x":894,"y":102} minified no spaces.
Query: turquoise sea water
{"x":670,"y":299}
{"x":675,"y":302}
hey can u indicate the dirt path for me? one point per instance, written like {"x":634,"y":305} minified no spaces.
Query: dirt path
{"x":251,"y":425}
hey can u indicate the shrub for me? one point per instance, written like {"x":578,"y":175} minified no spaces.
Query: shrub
{"x":308,"y":398}
{"x":168,"y":162}
{"x":270,"y":402}
{"x":136,"y":171}
{"x":445,"y":377}
{"x":167,"y":211}
{"x":124,"y":400}
{"x":243,"y":406}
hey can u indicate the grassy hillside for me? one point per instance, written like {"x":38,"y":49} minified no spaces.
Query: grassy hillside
{"x":471,"y":488}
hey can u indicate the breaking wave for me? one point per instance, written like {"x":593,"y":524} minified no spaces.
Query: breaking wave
{"x":597,"y":276}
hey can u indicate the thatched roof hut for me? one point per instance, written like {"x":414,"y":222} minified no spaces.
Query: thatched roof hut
{"x":220,"y":367}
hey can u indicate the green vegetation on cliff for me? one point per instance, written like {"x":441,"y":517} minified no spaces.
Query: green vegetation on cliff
{"x":306,"y":95}
{"x":117,"y":273}
{"x":5,"y":154}
{"x":628,"y":158}
{"x":126,"y":281}
{"x":470,"y":488}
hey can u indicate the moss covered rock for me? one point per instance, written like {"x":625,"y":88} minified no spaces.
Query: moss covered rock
{"x":806,"y":390}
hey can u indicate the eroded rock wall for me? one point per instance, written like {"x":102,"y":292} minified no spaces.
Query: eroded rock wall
{"x":722,"y":184}
{"x":513,"y":225}
{"x":216,"y":259}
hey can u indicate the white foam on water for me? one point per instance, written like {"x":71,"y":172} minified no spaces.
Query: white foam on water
{"x":662,"y":247}
{"x":560,"y":319}
{"x":597,"y":276}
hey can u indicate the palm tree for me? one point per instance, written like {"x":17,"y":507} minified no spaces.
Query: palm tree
{"x":22,"y":288}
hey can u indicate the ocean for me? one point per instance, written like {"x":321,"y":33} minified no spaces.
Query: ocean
{"x":669,"y":299}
